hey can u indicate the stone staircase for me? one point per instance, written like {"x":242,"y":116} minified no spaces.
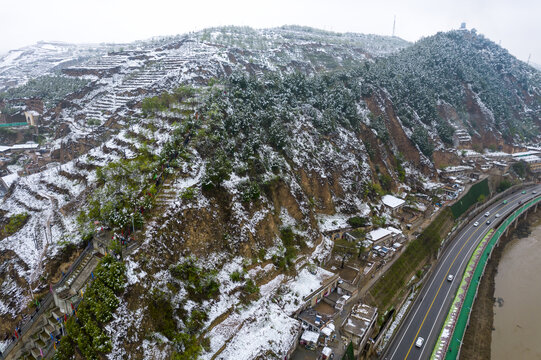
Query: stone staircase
{"x":41,"y":339}
{"x":74,"y":275}
{"x":167,"y":194}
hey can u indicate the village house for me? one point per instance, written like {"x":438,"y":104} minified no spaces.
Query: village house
{"x":358,"y":326}
{"x":384,"y":235}
{"x":393,"y":202}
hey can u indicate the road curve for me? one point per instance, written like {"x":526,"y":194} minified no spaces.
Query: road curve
{"x":426,"y":317}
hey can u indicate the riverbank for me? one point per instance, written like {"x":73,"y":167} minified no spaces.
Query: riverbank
{"x":478,"y":337}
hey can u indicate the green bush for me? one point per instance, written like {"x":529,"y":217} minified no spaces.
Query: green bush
{"x":250,"y":191}
{"x":386,"y":182}
{"x":520,"y":168}
{"x":217,"y":171}
{"x":15,"y":223}
{"x":357,"y":221}
{"x":250,"y":287}
{"x":161,"y":313}
{"x":201,"y":284}
{"x":421,"y":138}
{"x":236,"y":276}
{"x":188,"y":193}
{"x":504,"y":185}
{"x":291,"y":242}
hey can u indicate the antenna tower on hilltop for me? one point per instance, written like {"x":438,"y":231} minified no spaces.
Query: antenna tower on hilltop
{"x":394,"y":24}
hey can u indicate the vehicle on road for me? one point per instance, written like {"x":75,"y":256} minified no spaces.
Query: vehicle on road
{"x":505,"y":202}
{"x":520,"y":202}
{"x":524,"y":191}
{"x":450,"y":277}
{"x":476,"y":224}
{"x":498,"y":215}
{"x":419,"y":342}
{"x":488,"y":222}
{"x":534,"y":192}
{"x":487,"y":214}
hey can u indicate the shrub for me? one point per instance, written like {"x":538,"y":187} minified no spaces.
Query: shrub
{"x":161,"y":313}
{"x":236,"y":276}
{"x":250,"y":287}
{"x":250,"y":191}
{"x":188,"y":193}
{"x":218,"y":170}
{"x":357,"y":221}
{"x":504,"y":185}
{"x":201,"y":284}
{"x":385,"y":181}
{"x":421,"y":138}
{"x":15,"y":223}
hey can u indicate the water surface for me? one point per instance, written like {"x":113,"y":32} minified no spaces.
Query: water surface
{"x":517,"y":312}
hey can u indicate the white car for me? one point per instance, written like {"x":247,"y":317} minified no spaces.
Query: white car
{"x":450,"y":277}
{"x":476,"y":224}
{"x":419,"y":342}
{"x":498,"y":215}
{"x":487,"y":214}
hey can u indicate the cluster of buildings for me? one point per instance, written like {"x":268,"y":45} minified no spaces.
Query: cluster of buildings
{"x":324,"y":312}
{"x":499,"y":160}
{"x":24,"y":115}
{"x":30,"y":156}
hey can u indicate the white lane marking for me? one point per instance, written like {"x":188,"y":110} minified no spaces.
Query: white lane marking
{"x":469,"y":253}
{"x":456,"y":242}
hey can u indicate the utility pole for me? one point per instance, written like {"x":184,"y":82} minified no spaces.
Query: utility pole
{"x":528,"y":62}
{"x":394,"y":24}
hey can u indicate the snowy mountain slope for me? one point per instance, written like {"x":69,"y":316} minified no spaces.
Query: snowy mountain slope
{"x":18,"y":66}
{"x":296,"y":128}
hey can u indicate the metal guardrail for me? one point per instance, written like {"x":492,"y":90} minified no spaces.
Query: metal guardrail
{"x":471,"y":293}
{"x":47,"y":300}
{"x":464,"y":220}
{"x":14,"y":124}
{"x":26,"y":326}
{"x":74,"y":266}
{"x":478,"y":209}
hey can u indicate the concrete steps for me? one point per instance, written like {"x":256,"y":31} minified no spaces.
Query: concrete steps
{"x":35,"y":353}
{"x":76,"y":272}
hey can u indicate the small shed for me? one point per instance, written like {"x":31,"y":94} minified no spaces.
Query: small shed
{"x":309,"y":339}
{"x":326,"y":353}
{"x":393,"y":202}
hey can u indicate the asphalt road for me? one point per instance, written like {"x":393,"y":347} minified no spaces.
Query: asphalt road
{"x":426,"y":317}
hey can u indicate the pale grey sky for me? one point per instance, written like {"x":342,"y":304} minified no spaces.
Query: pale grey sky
{"x":516,"y":23}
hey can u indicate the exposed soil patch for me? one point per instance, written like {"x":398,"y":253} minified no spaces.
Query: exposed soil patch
{"x":73,"y":176}
{"x":55,"y":188}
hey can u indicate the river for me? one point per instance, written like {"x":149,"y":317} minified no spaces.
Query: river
{"x":517,"y":315}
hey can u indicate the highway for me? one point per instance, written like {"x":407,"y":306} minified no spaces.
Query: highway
{"x":425,"y":318}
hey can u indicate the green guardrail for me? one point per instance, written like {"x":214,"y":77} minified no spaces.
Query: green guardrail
{"x":14,"y":124}
{"x":463,"y":317}
{"x":447,"y":327}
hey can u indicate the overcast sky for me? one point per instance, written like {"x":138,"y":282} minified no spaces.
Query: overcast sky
{"x":516,"y":23}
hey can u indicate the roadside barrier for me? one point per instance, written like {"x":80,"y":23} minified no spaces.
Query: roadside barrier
{"x":450,"y":341}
